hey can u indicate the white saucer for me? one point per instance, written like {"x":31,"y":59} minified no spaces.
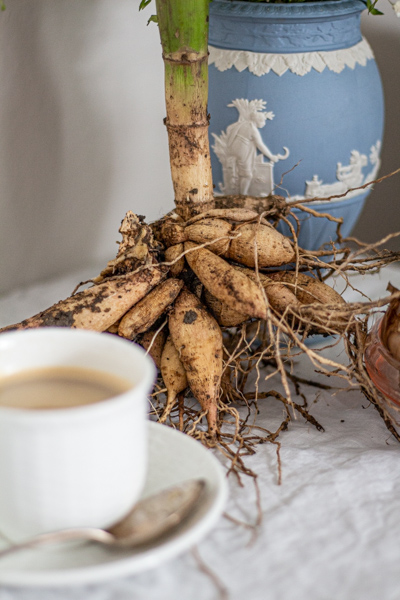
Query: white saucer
{"x":174,"y":457}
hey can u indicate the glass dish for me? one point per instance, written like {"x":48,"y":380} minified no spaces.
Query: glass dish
{"x":382,"y":368}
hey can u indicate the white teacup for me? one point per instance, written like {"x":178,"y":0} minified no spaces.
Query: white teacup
{"x":76,"y":466}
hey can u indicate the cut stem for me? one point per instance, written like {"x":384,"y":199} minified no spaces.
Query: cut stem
{"x":183,"y":26}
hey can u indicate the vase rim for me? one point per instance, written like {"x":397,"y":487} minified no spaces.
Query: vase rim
{"x":324,"y":25}
{"x":307,"y":9}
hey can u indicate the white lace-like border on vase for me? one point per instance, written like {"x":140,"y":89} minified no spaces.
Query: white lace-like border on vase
{"x":299,"y":63}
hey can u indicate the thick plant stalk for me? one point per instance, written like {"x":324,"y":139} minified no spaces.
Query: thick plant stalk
{"x":183,"y":26}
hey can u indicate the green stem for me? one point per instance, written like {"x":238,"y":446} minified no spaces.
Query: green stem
{"x":183,"y":26}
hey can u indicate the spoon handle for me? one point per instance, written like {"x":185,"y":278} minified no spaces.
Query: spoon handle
{"x":66,"y":535}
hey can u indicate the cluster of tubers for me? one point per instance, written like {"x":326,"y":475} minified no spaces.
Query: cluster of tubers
{"x":176,"y":286}
{"x":191,"y":287}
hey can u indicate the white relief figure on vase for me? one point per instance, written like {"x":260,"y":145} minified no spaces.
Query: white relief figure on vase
{"x":349,"y":177}
{"x":241,"y":151}
{"x":375,"y":160}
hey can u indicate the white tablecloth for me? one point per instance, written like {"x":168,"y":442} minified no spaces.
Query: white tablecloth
{"x":330,"y":531}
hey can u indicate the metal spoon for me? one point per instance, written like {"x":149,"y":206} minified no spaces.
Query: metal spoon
{"x":149,"y":519}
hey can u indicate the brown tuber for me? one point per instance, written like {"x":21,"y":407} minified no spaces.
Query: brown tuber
{"x":146,"y":312}
{"x":198,"y":341}
{"x":173,"y":374}
{"x":174,"y":259}
{"x":273,"y":248}
{"x":224,"y":282}
{"x":99,"y":306}
{"x":153,"y":342}
{"x":208,"y":230}
{"x":225,"y":315}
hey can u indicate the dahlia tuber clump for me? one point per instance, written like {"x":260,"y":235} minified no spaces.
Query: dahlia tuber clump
{"x":213,"y":291}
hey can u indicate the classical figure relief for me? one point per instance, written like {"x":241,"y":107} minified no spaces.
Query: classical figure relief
{"x":241,"y":151}
{"x":348,"y":176}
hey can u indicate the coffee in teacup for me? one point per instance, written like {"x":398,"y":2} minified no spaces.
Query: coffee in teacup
{"x":59,"y":387}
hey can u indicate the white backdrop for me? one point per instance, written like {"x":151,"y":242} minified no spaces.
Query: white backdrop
{"x":82,"y":139}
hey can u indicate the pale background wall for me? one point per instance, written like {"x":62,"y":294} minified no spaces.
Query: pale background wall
{"x":82,"y":139}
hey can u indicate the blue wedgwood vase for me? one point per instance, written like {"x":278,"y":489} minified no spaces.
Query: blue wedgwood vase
{"x":296,"y":106}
